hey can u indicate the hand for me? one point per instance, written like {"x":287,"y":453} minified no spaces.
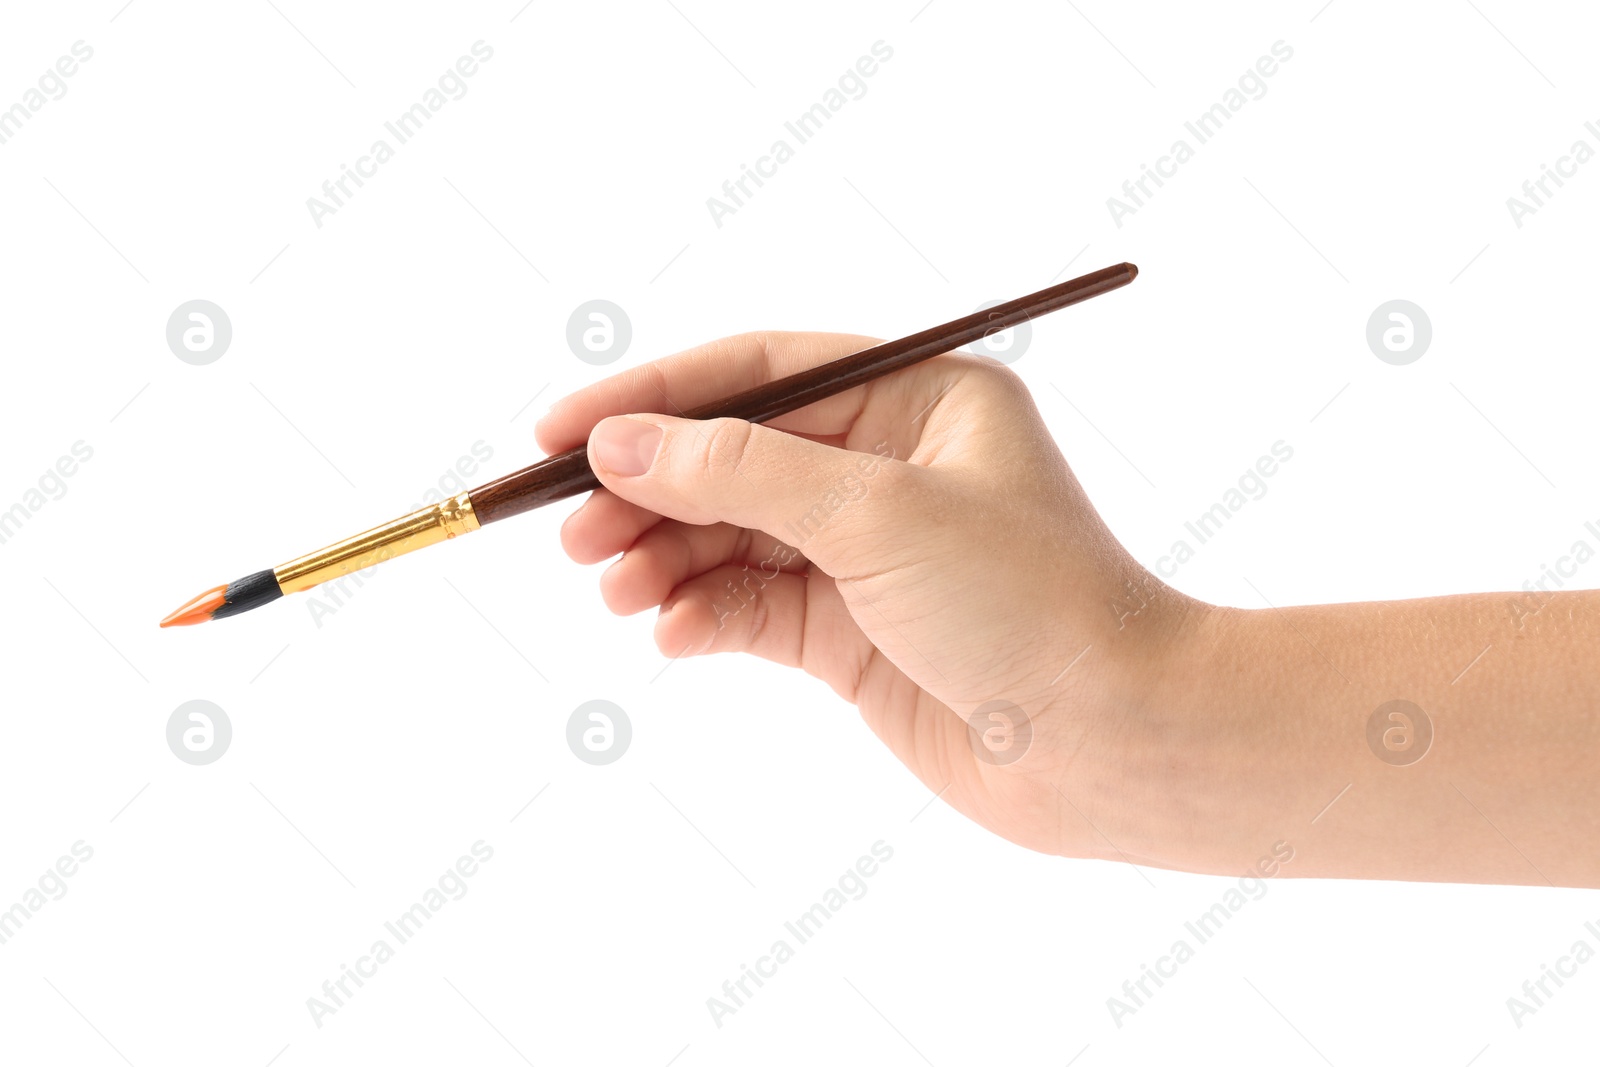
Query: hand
{"x":917,"y":543}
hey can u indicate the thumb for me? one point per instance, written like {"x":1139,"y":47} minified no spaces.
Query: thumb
{"x":831,"y":502}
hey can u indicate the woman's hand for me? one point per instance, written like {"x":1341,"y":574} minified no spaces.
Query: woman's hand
{"x":919,"y":544}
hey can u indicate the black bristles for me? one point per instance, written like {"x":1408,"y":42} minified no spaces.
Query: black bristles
{"x":251,"y":591}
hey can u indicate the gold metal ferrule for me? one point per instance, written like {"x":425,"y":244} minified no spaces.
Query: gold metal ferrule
{"x":438,"y":522}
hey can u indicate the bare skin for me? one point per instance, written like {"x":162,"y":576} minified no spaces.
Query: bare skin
{"x":921,"y":546}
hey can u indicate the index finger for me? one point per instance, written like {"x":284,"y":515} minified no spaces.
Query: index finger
{"x":674,"y":384}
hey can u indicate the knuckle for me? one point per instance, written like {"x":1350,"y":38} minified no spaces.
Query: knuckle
{"x":996,"y":378}
{"x":717,"y":448}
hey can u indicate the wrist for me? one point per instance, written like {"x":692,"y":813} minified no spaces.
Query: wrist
{"x":1161,"y":774}
{"x":1202,"y":746}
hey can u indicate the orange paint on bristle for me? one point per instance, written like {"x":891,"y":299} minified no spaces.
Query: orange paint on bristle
{"x":199,"y":609}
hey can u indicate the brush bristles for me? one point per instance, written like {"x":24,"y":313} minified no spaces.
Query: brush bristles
{"x":247,"y":593}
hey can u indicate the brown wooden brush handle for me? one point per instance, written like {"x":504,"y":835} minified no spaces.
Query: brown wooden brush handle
{"x":567,"y":473}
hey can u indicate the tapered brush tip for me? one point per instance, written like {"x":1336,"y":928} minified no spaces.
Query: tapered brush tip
{"x":251,"y":591}
{"x":199,"y":609}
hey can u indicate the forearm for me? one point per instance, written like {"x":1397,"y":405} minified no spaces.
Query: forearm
{"x":1260,"y":734}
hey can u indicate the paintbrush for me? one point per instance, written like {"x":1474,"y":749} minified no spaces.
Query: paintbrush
{"x":568,"y":473}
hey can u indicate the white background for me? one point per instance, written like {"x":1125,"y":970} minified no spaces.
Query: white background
{"x":372,"y":750}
